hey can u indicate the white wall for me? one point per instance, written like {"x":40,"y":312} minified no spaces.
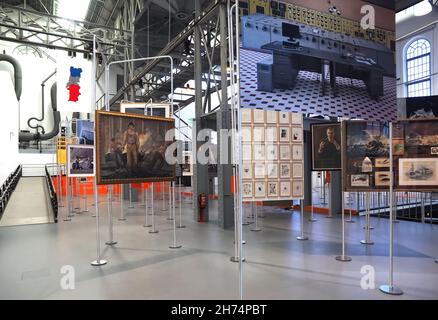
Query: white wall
{"x":409,"y":30}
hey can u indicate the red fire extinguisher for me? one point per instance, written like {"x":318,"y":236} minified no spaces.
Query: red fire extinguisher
{"x":202,"y":200}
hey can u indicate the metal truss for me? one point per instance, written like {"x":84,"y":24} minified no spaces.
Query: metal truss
{"x":44,"y":30}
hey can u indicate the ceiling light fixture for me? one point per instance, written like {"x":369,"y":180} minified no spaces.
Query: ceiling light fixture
{"x":422,"y":8}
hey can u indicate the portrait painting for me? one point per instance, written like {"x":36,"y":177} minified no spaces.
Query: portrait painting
{"x":80,"y":160}
{"x":326,"y":146}
{"x":132,"y":148}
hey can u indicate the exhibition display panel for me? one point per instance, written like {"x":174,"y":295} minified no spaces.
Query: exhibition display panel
{"x":272,"y":153}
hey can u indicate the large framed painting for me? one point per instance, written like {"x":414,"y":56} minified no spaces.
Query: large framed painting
{"x":132,"y":148}
{"x":416,"y":160}
{"x":366,"y":155}
{"x":326,"y":146}
{"x":80,"y":160}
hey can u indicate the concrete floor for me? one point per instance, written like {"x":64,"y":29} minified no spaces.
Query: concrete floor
{"x":141,"y":265}
{"x":28,"y":204}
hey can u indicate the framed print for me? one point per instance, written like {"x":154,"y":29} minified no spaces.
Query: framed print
{"x":271,"y":116}
{"x":382,"y":163}
{"x":297,"y":170}
{"x":284,"y":170}
{"x":259,"y":116}
{"x":284,"y":134}
{"x":272,"y":170}
{"x":85,"y":131}
{"x":297,"y":152}
{"x":260,"y":189}
{"x":259,"y":152}
{"x":326,"y":146}
{"x":284,"y":117}
{"x":360,"y":180}
{"x":246,"y":152}
{"x":246,"y":134}
{"x":285,"y":189}
{"x":284,"y":152}
{"x":247,"y":190}
{"x":247,"y":170}
{"x":258,"y":134}
{"x":131,"y":148}
{"x":273,"y":189}
{"x":80,"y":160}
{"x":246,"y":115}
{"x":297,"y":134}
{"x":271,"y":152}
{"x":366,"y":139}
{"x":297,"y":189}
{"x":271,"y":134}
{"x":433,"y":151}
{"x":418,"y":172}
{"x":259,"y":170}
{"x":382,"y":178}
{"x":297,"y":118}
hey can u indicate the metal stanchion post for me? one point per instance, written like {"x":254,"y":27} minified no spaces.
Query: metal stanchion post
{"x":163,"y":207}
{"x":77,"y":196}
{"x":256,"y":227}
{"x":423,"y":209}
{"x":367,"y":228}
{"x":396,"y":207}
{"x":122,"y":212}
{"x":153,"y":211}
{"x":98,"y":261}
{"x":302,"y":236}
{"x":95,"y":203}
{"x":145,"y":199}
{"x":350,"y":201}
{"x":170,"y":203}
{"x":389,"y":288}
{"x":130,"y":197}
{"x":60,"y":195}
{"x":180,"y":206}
{"x":85,"y":196}
{"x":311,"y":219}
{"x":71,"y":201}
{"x":111,"y":241}
{"x":174,"y":245}
{"x":330,"y":215}
{"x":343,"y":257}
{"x":68,"y":209}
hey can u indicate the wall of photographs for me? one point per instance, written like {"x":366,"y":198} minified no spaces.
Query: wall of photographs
{"x":365,"y":155}
{"x":415,"y":154}
{"x":272,"y":153}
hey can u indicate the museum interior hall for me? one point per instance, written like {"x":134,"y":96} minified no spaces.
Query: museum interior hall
{"x":219,"y":150}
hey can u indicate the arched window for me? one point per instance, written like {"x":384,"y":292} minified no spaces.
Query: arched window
{"x":418,"y":68}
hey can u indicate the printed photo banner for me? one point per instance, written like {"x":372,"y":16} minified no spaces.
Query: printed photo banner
{"x":73,"y":76}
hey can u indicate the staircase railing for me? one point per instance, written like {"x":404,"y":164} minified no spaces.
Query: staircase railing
{"x":52,"y":194}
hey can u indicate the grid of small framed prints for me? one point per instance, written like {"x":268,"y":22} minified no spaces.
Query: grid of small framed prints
{"x":415,"y":154}
{"x":365,"y":156}
{"x":272,"y":154}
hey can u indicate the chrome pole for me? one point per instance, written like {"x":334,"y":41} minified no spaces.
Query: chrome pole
{"x":389,"y":288}
{"x":174,"y":245}
{"x":256,"y":227}
{"x":111,"y":241}
{"x":122,"y":212}
{"x":180,"y":205}
{"x":302,"y":237}
{"x":153,"y":211}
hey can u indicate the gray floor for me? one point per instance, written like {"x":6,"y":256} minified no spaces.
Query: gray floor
{"x":141,"y":265}
{"x":28,"y":204}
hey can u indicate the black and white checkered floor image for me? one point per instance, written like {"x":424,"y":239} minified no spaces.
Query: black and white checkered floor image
{"x":352,"y":100}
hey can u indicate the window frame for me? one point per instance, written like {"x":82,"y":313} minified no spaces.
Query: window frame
{"x":426,"y":79}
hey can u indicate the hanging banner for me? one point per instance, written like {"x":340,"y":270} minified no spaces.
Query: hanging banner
{"x":74,"y":84}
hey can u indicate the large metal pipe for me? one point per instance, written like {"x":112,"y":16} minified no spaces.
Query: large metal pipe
{"x":18,"y":75}
{"x":27,"y":136}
